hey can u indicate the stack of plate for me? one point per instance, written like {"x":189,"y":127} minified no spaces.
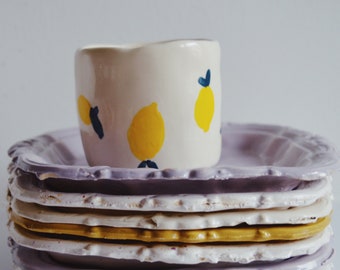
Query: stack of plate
{"x":266,"y":205}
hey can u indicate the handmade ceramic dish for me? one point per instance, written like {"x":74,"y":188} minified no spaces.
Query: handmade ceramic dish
{"x":25,"y":258}
{"x":248,"y":151}
{"x":171,"y":220}
{"x":167,"y":253}
{"x":30,"y":189}
{"x":145,"y":100}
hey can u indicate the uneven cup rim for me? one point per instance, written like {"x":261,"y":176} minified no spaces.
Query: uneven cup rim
{"x":130,"y":46}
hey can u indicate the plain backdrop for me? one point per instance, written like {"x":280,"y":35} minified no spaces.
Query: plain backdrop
{"x":280,"y":61}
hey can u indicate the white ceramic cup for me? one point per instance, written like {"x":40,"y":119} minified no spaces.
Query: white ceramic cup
{"x":152,"y":105}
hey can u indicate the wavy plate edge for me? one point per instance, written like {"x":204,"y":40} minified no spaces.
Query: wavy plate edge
{"x":25,"y":157}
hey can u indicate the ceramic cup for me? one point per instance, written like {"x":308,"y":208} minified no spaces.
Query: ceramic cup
{"x":155,"y":105}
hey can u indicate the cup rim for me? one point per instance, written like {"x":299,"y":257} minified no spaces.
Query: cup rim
{"x":137,"y":45}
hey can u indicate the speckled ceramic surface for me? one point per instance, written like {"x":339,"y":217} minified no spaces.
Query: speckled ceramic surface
{"x":25,"y":258}
{"x":31,"y":190}
{"x":248,"y":150}
{"x":172,"y":253}
{"x":171,"y":220}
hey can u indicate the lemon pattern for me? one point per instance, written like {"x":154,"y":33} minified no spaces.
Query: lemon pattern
{"x":146,"y":135}
{"x":205,"y":106}
{"x":89,"y":115}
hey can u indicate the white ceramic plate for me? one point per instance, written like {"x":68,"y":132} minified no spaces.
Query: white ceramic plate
{"x":170,"y":220}
{"x":25,"y":258}
{"x":28,"y":189}
{"x":248,"y":150}
{"x":172,"y":253}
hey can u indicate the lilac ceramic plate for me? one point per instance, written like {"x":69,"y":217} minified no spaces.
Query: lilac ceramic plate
{"x":31,"y":190}
{"x":26,"y":258}
{"x":249,"y":150}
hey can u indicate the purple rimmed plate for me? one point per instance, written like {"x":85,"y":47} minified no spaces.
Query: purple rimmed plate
{"x":26,"y":258}
{"x":248,"y":151}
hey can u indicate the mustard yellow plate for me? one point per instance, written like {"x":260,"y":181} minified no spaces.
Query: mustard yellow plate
{"x":82,"y":249}
{"x":223,"y":234}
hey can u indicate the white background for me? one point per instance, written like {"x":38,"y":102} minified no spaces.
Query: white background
{"x":280,"y":61}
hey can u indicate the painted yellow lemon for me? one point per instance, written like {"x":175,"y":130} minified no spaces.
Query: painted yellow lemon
{"x":205,"y":105}
{"x":146,"y":132}
{"x":84,"y":109}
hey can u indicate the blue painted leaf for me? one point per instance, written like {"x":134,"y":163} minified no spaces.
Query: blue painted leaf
{"x":151,"y":164}
{"x":148,"y":163}
{"x":97,"y":125}
{"x":142,"y":164}
{"x":205,"y":81}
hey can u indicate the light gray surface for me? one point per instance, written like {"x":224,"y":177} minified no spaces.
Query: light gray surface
{"x":336,"y":221}
{"x":280,"y":62}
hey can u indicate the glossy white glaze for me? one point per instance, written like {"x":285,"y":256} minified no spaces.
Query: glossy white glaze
{"x":121,"y":80}
{"x":173,"y":221}
{"x":26,"y":189}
